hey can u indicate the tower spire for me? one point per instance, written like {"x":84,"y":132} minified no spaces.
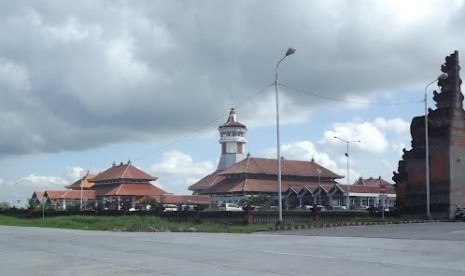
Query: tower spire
{"x":232,"y":140}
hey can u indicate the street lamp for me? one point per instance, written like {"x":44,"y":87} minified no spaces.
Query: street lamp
{"x":17,"y":197}
{"x":82,"y":187}
{"x":428,"y":212}
{"x":81,"y":191}
{"x":347,"y":156}
{"x":289,"y":52}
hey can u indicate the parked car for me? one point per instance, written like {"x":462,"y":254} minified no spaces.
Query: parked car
{"x":186,"y":207}
{"x":170,"y":207}
{"x":316,"y":207}
{"x":379,"y":209}
{"x":231,"y":207}
{"x":339,"y":208}
{"x":320,"y":207}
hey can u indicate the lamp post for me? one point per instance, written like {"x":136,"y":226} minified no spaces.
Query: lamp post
{"x":43,"y":206}
{"x":428,"y":212}
{"x":81,"y":191}
{"x":347,"y":156}
{"x":82,"y":188}
{"x":17,"y":197}
{"x":289,"y":52}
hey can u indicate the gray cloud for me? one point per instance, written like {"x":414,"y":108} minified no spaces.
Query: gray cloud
{"x":77,"y":75}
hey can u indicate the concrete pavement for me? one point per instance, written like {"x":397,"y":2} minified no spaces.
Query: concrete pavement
{"x":408,"y":249}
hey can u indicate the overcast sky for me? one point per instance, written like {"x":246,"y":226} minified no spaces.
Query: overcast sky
{"x":84,"y":84}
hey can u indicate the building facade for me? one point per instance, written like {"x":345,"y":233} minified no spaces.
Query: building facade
{"x":238,"y":179}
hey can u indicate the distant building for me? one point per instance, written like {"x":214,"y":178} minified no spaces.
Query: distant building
{"x":258,"y":176}
{"x":240,"y":177}
{"x":368,"y":192}
{"x":120,"y":187}
{"x":446,"y":125}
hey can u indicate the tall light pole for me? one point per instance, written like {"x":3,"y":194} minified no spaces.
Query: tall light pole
{"x":428,"y":212}
{"x":17,"y":197}
{"x":81,"y":191}
{"x":289,"y":52}
{"x":347,"y":156}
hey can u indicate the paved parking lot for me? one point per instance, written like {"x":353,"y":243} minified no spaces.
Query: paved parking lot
{"x":407,"y":249}
{"x":411,"y":231}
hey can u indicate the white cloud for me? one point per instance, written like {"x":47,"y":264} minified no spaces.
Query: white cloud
{"x":69,"y":32}
{"x":397,"y":125}
{"x":357,"y":102}
{"x":45,"y":182}
{"x":306,"y":150}
{"x":371,"y":138}
{"x":180,"y":163}
{"x":374,"y":136}
{"x":177,"y":170}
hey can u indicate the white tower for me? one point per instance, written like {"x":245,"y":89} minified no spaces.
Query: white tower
{"x":232,"y":140}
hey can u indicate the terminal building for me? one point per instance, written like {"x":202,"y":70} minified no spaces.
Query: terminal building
{"x":240,"y":176}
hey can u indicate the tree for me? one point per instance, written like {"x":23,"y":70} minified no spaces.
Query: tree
{"x":148,"y":200}
{"x":4,"y":205}
{"x":260,"y":200}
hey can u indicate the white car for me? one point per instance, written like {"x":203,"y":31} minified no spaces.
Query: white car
{"x":170,"y":207}
{"x":231,"y":207}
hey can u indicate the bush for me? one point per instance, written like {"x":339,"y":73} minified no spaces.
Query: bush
{"x":4,"y":205}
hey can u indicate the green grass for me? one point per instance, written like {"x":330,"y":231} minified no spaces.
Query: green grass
{"x":136,"y":223}
{"x":130,"y":223}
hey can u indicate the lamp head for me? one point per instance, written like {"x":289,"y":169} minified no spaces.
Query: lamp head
{"x":443,"y":76}
{"x":290,"y":51}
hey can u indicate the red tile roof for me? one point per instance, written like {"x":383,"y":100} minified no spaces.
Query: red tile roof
{"x":66,"y":194}
{"x":128,"y":189}
{"x":370,"y":189}
{"x":84,"y":181}
{"x":265,"y":170}
{"x":76,"y":194}
{"x":232,"y":121}
{"x":241,"y":185}
{"x":122,"y":172}
{"x":262,"y":166}
{"x":206,"y":182}
{"x":38,"y":194}
{"x":371,"y":182}
{"x":54,"y":194}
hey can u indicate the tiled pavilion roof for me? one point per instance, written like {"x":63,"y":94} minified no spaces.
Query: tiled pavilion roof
{"x":264,"y":166}
{"x":84,"y":181}
{"x":122,"y":173}
{"x":129,"y":189}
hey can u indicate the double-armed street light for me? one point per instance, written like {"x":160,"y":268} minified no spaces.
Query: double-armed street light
{"x":289,"y":52}
{"x":428,"y":212}
{"x":347,"y":156}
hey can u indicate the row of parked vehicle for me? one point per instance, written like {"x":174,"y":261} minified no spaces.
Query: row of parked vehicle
{"x":166,"y":208}
{"x":232,"y":207}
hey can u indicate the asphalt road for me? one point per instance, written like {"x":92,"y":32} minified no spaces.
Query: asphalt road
{"x":394,"y":250}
